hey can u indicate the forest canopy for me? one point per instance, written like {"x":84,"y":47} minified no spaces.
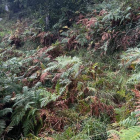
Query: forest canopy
{"x":56,"y":9}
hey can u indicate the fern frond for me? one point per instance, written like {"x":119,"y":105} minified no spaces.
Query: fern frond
{"x":131,"y":55}
{"x":17,"y":116}
{"x":47,"y":98}
{"x":27,"y":126}
{"x":130,"y":121}
{"x":6,"y":99}
{"x":5,"y":111}
{"x":134,"y":79}
{"x":112,"y":133}
{"x":132,"y":133}
{"x":2,"y":126}
{"x":62,"y":61}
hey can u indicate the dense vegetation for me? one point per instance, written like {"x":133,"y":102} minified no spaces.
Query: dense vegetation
{"x":74,"y":77}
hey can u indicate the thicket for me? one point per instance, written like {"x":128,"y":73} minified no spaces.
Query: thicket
{"x":75,"y":82}
{"x":47,"y":8}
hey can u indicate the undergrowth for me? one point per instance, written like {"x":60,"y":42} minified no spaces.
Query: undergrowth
{"x":74,"y":83}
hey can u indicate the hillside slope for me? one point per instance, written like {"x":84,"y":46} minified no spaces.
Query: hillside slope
{"x":74,"y":82}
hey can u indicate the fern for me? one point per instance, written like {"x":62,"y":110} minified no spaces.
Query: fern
{"x":132,"y":133}
{"x":30,"y":121}
{"x":23,"y":103}
{"x":132,"y":57}
{"x":6,"y":99}
{"x":27,"y":106}
{"x":117,"y":15}
{"x":5,"y":111}
{"x":47,"y":97}
{"x":2,"y":126}
{"x":65,"y":82}
{"x":82,"y":39}
{"x":17,"y":116}
{"x":63,"y":61}
{"x":134,"y":79}
{"x":69,"y":68}
{"x":130,"y":121}
{"x":28,"y":125}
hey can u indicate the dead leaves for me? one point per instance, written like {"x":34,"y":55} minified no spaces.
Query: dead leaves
{"x":51,"y":121}
{"x":103,"y":12}
{"x":46,"y":38}
{"x":106,"y":36}
{"x":88,"y":22}
{"x":71,"y":42}
{"x":43,"y":76}
{"x":98,"y":108}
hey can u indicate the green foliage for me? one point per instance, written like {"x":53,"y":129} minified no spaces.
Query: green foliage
{"x":132,"y":133}
{"x":42,"y":8}
{"x":2,"y":126}
{"x":21,"y":104}
{"x":91,"y":129}
{"x":26,"y":109}
{"x":5,"y":111}
{"x":117,"y":15}
{"x":69,"y":68}
{"x":131,"y":59}
{"x":132,"y":3}
{"x":68,"y":134}
{"x":63,"y":61}
{"x":47,"y":97}
{"x":7,"y":86}
{"x":132,"y":120}
{"x":56,"y":87}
